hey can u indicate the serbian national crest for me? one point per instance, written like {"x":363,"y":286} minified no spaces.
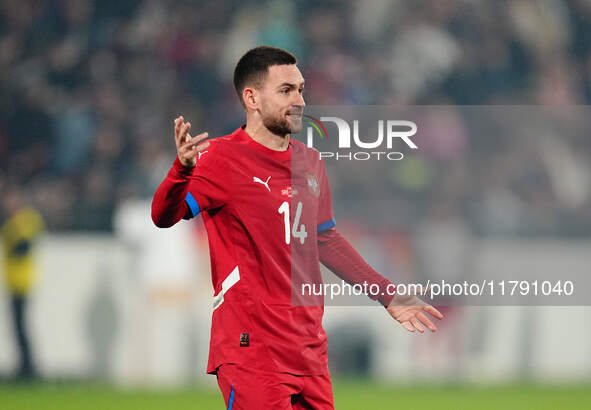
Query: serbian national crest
{"x":313,"y":185}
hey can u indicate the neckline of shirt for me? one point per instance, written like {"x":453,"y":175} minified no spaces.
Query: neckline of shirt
{"x":280,"y":155}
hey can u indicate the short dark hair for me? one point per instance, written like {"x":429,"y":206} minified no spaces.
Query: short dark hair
{"x":253,"y":66}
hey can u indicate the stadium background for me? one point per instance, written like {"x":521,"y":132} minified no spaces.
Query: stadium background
{"x":89,"y":91}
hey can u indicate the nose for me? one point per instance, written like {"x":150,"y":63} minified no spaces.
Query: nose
{"x":300,"y":100}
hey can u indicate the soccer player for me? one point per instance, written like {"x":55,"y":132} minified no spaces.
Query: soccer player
{"x":267,"y":208}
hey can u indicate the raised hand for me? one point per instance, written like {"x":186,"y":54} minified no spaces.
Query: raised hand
{"x":186,"y":146}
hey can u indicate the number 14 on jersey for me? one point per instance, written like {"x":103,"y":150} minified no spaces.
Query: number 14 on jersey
{"x":299,"y":231}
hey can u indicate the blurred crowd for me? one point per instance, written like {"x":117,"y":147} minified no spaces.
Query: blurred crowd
{"x":90,"y":90}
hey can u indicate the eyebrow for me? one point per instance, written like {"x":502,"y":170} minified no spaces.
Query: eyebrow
{"x":290,"y":85}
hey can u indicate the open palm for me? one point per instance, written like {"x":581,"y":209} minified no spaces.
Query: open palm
{"x":410,"y":312}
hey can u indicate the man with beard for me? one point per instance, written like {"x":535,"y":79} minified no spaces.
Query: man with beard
{"x":267,"y":209}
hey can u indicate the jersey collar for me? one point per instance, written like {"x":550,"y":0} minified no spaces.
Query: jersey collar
{"x":247,"y":139}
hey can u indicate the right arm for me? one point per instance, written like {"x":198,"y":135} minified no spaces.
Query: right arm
{"x":168,"y":204}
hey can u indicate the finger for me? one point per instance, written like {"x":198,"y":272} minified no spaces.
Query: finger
{"x":408,"y":326}
{"x":430,"y":309}
{"x":178,"y":131}
{"x":184,"y":130}
{"x":201,"y":147}
{"x":191,"y":152}
{"x":425,"y":320}
{"x":195,"y":140}
{"x":178,"y":122}
{"x":417,"y":325}
{"x":196,"y":149}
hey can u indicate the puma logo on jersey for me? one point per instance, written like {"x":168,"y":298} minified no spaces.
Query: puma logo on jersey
{"x":200,"y":153}
{"x":260,"y":181}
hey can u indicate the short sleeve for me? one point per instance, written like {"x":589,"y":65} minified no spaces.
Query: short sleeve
{"x":210,"y":180}
{"x":325,"y":218}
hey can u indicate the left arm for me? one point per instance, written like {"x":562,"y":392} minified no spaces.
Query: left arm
{"x":337,"y":254}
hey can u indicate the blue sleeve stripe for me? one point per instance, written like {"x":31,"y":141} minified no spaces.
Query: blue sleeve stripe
{"x":192,"y":204}
{"x":231,"y":399}
{"x":326,"y":225}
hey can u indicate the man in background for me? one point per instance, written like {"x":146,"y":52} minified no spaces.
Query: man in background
{"x":20,"y":230}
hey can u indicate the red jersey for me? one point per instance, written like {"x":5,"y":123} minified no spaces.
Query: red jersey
{"x":262,"y":210}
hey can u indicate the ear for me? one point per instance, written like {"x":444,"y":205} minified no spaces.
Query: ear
{"x":251,"y":98}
